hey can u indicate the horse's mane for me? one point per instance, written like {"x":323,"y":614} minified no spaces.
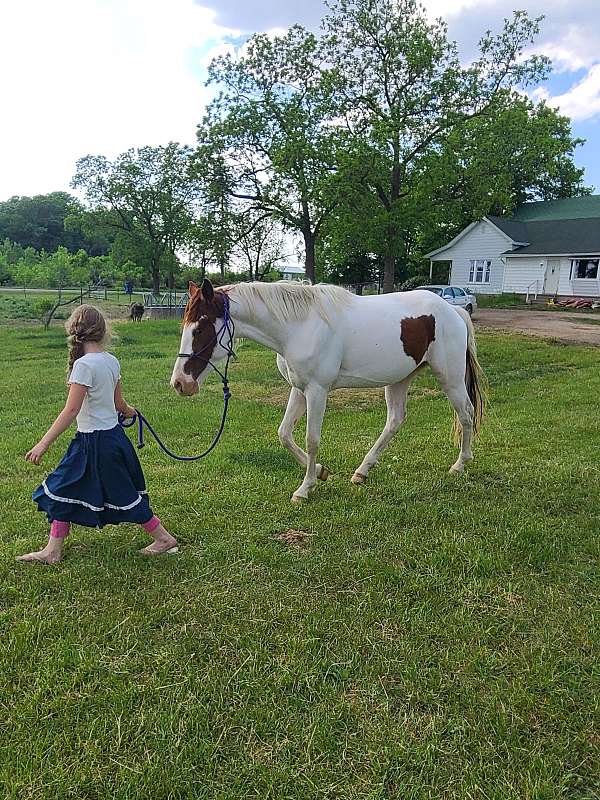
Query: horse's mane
{"x":287,"y":300}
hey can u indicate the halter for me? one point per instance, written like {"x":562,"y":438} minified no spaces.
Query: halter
{"x":228,"y":328}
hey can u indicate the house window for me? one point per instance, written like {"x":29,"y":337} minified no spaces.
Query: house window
{"x":480,"y":270}
{"x":584,"y":268}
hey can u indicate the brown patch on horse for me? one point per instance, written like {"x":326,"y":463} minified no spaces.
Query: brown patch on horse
{"x":417,"y":333}
{"x":198,"y":306}
{"x":204,"y":336}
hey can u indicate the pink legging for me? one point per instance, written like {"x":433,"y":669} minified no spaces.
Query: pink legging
{"x":59,"y":530}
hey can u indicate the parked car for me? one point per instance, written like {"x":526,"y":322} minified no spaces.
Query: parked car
{"x":455,"y":295}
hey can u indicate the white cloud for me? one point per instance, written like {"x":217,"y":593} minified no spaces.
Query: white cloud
{"x":577,"y":48}
{"x":448,"y":8}
{"x":582,"y":101}
{"x":98,"y":76}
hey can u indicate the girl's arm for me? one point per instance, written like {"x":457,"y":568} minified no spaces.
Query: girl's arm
{"x":121,"y":404}
{"x":64,"y":420}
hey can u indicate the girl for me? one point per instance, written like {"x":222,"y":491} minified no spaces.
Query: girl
{"x":99,"y":480}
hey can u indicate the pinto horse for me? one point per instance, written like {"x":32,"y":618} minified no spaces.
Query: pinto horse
{"x":327,"y":338}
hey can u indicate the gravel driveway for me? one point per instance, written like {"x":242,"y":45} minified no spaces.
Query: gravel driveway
{"x":567,"y":326}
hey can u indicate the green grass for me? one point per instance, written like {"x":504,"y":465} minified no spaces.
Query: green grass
{"x":438,"y":637}
{"x":501,"y":301}
{"x":19,"y":306}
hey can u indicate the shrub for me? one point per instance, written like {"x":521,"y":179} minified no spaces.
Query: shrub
{"x":40,"y":308}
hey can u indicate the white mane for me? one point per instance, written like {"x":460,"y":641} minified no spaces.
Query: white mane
{"x":287,"y":300}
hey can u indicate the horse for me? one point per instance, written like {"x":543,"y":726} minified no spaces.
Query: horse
{"x":326,"y":338}
{"x":136,"y":312}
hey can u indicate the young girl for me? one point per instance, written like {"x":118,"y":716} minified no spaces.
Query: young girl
{"x":99,"y":480}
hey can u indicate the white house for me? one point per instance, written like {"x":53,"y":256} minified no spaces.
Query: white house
{"x":291,"y":272}
{"x":549,"y":247}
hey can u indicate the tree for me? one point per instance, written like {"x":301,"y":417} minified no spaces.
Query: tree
{"x":356,"y":269}
{"x":403,"y":91}
{"x":57,"y":270}
{"x":40,"y":222}
{"x":491,"y":165}
{"x":270,"y":126}
{"x":147,"y":195}
{"x":5,"y":274}
{"x":24,"y":274}
{"x":260,"y":245}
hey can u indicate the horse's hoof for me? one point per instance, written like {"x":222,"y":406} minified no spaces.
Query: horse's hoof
{"x":323,"y":474}
{"x":297,"y":498}
{"x":456,"y":469}
{"x":358,"y":478}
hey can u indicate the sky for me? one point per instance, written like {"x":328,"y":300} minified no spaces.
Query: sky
{"x":101,"y":76}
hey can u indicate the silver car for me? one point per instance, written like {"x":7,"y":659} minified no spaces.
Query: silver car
{"x":455,"y":295}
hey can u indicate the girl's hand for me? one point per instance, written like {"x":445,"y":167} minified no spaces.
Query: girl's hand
{"x":129,"y":411}
{"x":36,"y":453}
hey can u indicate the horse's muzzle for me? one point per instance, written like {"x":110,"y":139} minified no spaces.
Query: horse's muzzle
{"x":184,"y":388}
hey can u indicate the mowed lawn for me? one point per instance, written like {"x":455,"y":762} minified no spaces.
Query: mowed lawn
{"x":435,"y":637}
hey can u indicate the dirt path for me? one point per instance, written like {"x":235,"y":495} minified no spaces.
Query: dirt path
{"x":567,"y":327}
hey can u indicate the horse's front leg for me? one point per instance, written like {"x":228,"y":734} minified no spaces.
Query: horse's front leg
{"x":296,"y":407}
{"x":316,"y":401}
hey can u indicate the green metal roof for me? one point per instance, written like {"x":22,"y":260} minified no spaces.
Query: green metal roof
{"x":586,"y":207}
{"x":560,"y":237}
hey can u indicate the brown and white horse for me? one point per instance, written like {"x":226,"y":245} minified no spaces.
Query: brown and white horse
{"x":327,"y":338}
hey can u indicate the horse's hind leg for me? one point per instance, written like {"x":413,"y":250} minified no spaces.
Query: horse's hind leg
{"x":296,"y":407}
{"x":459,"y":398}
{"x":395,"y":398}
{"x":456,"y":391}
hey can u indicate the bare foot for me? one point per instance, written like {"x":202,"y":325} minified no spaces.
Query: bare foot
{"x":45,"y":556}
{"x":163,"y":543}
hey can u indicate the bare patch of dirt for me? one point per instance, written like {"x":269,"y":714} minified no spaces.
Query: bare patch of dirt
{"x":567,"y":327}
{"x":298,"y":540}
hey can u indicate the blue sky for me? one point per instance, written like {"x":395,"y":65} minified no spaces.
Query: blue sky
{"x":100,"y":76}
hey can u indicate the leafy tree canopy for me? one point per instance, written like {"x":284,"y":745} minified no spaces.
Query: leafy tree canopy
{"x":39,"y":222}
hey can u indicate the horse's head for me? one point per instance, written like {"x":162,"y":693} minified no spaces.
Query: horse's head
{"x":202,"y":342}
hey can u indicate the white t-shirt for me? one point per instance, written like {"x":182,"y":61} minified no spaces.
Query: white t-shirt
{"x":100,"y":373}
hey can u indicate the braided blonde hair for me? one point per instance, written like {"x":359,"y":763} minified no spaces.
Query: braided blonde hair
{"x":86,"y":324}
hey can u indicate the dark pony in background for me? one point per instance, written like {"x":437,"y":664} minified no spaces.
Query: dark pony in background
{"x":136,"y":312}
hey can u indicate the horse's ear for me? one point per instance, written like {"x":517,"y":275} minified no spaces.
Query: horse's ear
{"x":208,"y":292}
{"x":192,"y":288}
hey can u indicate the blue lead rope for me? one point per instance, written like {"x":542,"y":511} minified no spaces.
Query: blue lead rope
{"x":142,"y":423}
{"x":228,"y":327}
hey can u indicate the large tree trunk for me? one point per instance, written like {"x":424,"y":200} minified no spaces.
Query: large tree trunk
{"x":389,"y":262}
{"x":389,"y":273}
{"x":155,"y":275}
{"x":309,"y":261}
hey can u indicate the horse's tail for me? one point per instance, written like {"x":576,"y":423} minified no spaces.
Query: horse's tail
{"x":475,"y":379}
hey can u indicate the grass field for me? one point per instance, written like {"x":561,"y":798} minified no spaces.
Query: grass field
{"x":25,"y":306}
{"x":434,"y":637}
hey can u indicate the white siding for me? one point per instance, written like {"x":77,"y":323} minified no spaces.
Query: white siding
{"x":521,"y":273}
{"x":582,"y":287}
{"x":483,"y":241}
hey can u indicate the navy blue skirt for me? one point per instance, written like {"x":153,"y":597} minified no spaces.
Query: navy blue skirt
{"x":98,"y":482}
